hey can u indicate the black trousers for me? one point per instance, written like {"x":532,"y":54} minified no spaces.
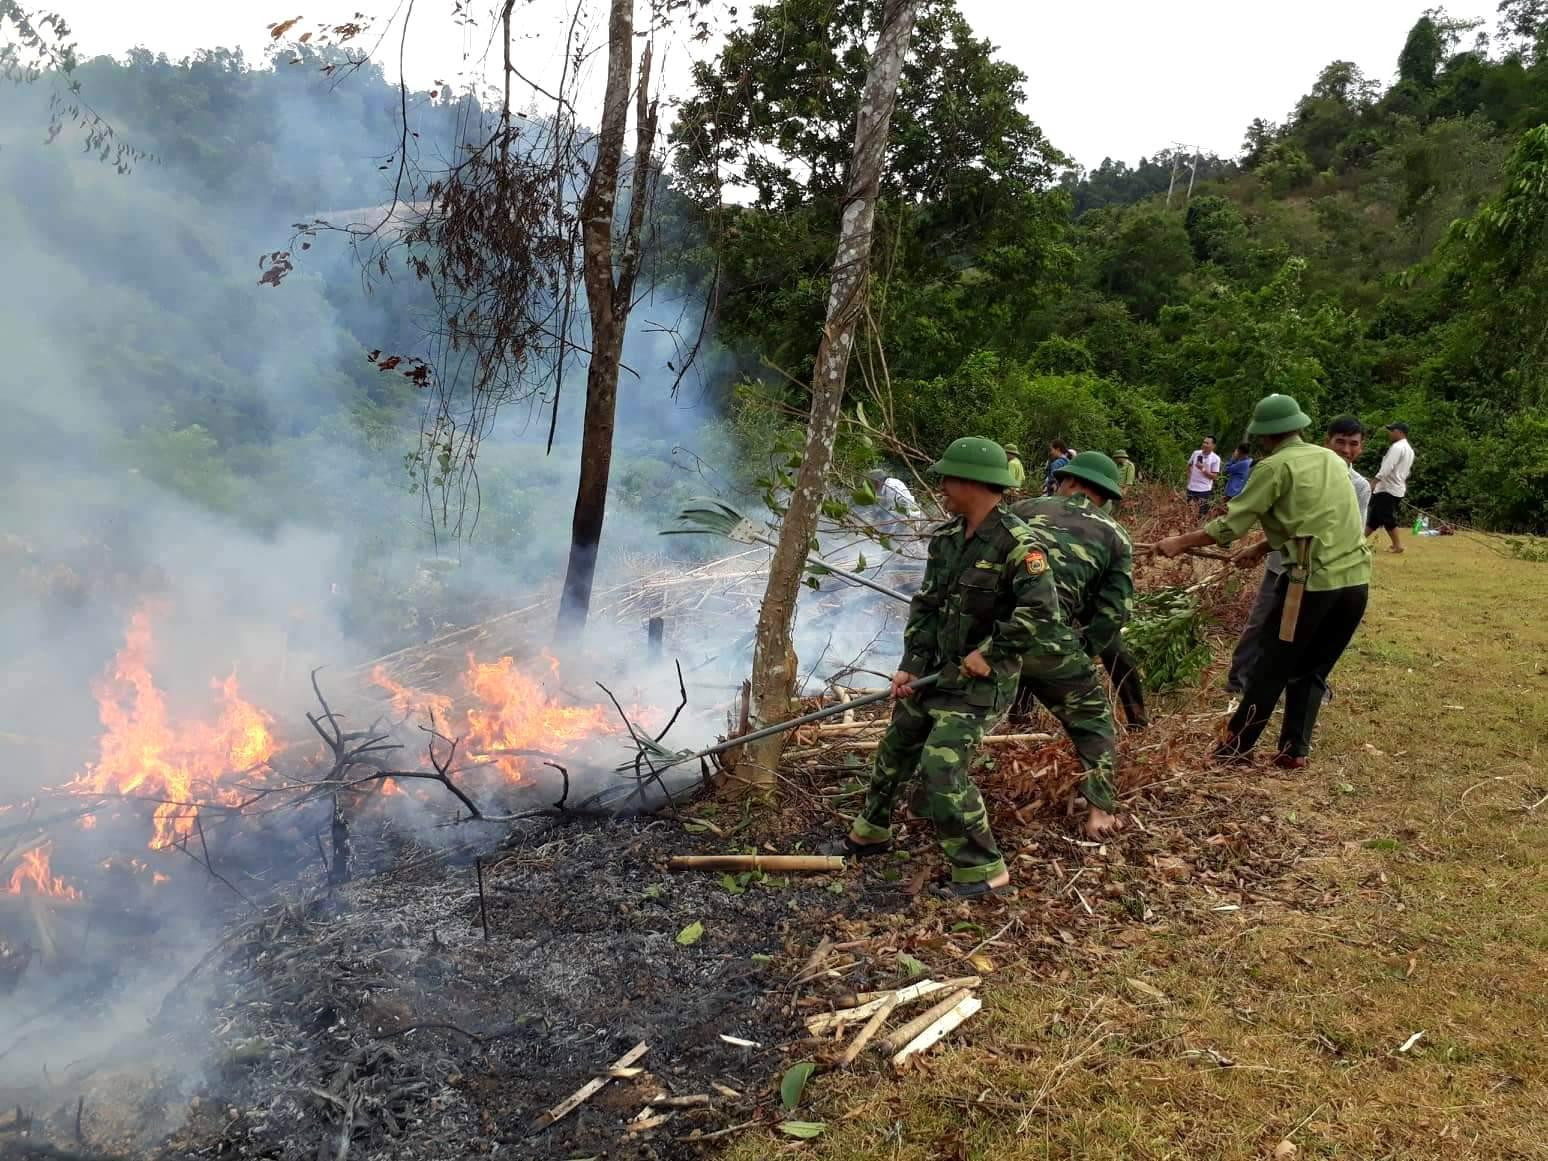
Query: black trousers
{"x":1127,"y":681}
{"x":1248,"y":648}
{"x":1297,"y":670}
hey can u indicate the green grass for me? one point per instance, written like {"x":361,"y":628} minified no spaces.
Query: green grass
{"x":1419,"y":903}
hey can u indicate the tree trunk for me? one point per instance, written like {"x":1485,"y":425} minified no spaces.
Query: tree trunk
{"x":774,"y":660}
{"x":607,"y":301}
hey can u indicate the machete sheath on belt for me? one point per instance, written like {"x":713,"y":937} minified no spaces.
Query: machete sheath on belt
{"x":1300,"y":556}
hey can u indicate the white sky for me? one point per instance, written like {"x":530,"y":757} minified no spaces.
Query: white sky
{"x":1116,"y":78}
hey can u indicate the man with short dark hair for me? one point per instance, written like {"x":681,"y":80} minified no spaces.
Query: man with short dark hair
{"x":1237,"y":471}
{"x":1391,"y":485}
{"x":1058,"y":455}
{"x":1346,"y":437}
{"x":1301,"y":495}
{"x":1203,"y":467}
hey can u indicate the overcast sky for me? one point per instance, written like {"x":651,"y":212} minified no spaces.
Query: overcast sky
{"x":1118,"y":78}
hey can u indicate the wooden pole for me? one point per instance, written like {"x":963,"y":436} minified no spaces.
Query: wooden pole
{"x":804,"y":863}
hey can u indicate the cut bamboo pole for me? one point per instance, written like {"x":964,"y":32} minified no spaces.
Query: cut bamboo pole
{"x":826,"y":1021}
{"x":936,"y":1032}
{"x":943,"y":986}
{"x":588,"y":1090}
{"x":902,"y":1036}
{"x":857,"y":1045}
{"x":804,"y":863}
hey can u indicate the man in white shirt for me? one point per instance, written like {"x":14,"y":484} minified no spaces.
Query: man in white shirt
{"x":893,"y":495}
{"x":1391,"y":485}
{"x":1203,"y":467}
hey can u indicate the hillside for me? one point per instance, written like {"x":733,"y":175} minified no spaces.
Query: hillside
{"x":1378,"y":251}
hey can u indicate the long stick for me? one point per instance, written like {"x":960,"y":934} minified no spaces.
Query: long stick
{"x":902,"y":1036}
{"x":859,"y":579}
{"x":857,"y":1045}
{"x":588,"y":1090}
{"x":938,"y":1031}
{"x":781,"y":727}
{"x":755,"y":863}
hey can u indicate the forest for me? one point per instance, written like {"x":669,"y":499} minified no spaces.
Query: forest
{"x":1378,"y":249}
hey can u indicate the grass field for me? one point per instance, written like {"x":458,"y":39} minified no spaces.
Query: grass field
{"x":1287,"y":1019}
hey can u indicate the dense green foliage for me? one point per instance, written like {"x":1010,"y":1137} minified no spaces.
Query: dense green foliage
{"x":1380,"y":252}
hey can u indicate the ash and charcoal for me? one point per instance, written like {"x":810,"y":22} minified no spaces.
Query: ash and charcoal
{"x":382,"y":1015}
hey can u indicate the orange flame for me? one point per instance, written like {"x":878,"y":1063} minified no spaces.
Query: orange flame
{"x":142,"y":752}
{"x":34,"y":875}
{"x":407,"y":702}
{"x":518,"y":714}
{"x":511,"y":711}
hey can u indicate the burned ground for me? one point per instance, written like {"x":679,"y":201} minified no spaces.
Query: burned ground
{"x":374,"y":1019}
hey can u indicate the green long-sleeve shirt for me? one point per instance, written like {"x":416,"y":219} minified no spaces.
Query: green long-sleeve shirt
{"x":1018,"y":473}
{"x":994,"y":592}
{"x":1093,"y":563}
{"x":1302,"y":490}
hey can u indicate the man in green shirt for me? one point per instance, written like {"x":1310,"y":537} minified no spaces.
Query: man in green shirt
{"x":1301,"y":495}
{"x":986,"y":601}
{"x":1128,"y":474}
{"x":1018,"y":470}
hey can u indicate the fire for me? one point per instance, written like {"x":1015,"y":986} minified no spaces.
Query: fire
{"x":143,"y":752}
{"x":34,"y":875}
{"x":511,"y":710}
{"x":516,"y":713}
{"x":408,"y":702}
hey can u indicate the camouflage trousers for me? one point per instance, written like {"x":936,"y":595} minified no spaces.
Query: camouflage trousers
{"x":1066,"y":682}
{"x":935,"y":738}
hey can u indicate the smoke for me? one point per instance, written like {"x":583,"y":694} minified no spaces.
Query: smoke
{"x":223,"y":454}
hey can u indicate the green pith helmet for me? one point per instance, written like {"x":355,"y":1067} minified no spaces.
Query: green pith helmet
{"x":975,"y":458}
{"x":1092,"y":467}
{"x":1012,"y":450}
{"x":1276,"y":415}
{"x":1120,"y":454}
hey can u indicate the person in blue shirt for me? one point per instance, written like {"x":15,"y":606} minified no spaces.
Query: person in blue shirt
{"x":1059,"y":454}
{"x":1237,"y":471}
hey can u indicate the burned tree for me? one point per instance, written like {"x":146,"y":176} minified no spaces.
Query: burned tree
{"x":774,"y":661}
{"x":507,"y":237}
{"x":609,"y":295}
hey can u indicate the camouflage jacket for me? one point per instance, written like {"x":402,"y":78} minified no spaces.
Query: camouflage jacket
{"x":1093,"y":563}
{"x":994,"y":592}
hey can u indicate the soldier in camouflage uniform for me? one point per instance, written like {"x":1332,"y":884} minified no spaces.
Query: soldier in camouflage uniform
{"x":1093,"y":565}
{"x":1064,"y":680}
{"x":987,"y":599}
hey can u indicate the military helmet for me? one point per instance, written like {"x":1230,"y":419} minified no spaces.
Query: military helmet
{"x":1120,"y":454}
{"x":1277,"y":415}
{"x":1012,"y":450}
{"x":1096,"y":469}
{"x":974,"y":458}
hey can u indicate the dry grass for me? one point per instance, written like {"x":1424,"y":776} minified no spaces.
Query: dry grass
{"x":1415,"y":900}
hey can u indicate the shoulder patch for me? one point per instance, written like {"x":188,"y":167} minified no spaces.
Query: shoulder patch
{"x":1037,"y":561}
